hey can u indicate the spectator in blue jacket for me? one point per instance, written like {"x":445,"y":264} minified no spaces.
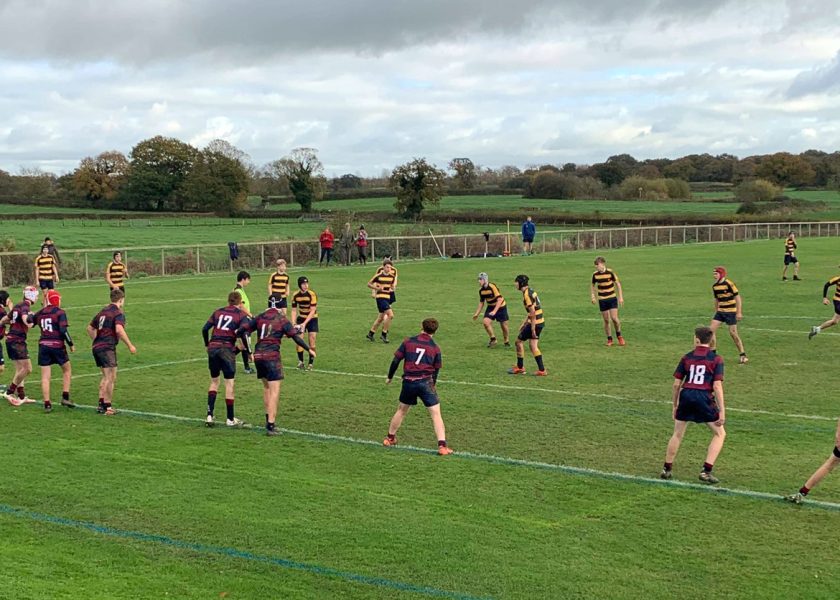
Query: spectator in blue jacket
{"x":529,"y":230}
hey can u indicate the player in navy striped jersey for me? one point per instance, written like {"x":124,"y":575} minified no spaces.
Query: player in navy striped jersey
{"x":271,"y":327}
{"x":52,"y":347}
{"x":420,"y":370}
{"x":698,"y":398}
{"x":219,"y":333}
{"x":19,"y":322}
{"x":5,"y":307}
{"x":106,"y":329}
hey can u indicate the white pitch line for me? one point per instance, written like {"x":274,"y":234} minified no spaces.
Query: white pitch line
{"x":586,"y":395}
{"x":139,"y":367}
{"x":516,"y":462}
{"x":132,"y":303}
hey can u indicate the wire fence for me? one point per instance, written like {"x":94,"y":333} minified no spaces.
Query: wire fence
{"x":18,"y":268}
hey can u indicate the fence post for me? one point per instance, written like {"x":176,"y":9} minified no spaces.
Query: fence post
{"x":465,"y":246}
{"x":1,"y":271}
{"x":198,"y":260}
{"x":610,"y":244}
{"x":87,"y":276}
{"x":626,"y":238}
{"x":670,"y":236}
{"x":656,"y":237}
{"x":162,"y":262}
{"x":578,"y":241}
{"x":421,"y":248}
{"x":444,"y":246}
{"x":373,"y":250}
{"x":262,"y":256}
{"x":292,"y":254}
{"x":543,"y":237}
{"x":398,"y":248}
{"x":683,"y":234}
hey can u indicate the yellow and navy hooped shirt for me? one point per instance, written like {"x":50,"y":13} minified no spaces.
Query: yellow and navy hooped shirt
{"x":386,"y":284}
{"x":305,"y":302}
{"x":790,"y":247}
{"x":529,"y":299}
{"x":491,"y":295}
{"x":116,"y":271}
{"x":725,"y":292}
{"x":605,"y":283}
{"x":46,"y":267}
{"x":279,"y":284}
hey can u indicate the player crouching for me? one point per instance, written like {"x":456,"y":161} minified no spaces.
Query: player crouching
{"x":698,"y":398}
{"x":52,"y":349}
{"x":420,"y":371}
{"x":271,"y":327}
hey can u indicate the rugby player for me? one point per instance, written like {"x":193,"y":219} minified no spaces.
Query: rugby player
{"x":5,"y":308}
{"x":305,"y":317}
{"x":790,"y":257}
{"x":116,"y":273}
{"x":106,"y":329}
{"x":824,"y":469}
{"x":243,"y":278}
{"x":46,"y":270}
{"x":271,"y":327}
{"x":834,"y":281}
{"x":52,"y":349}
{"x":530,"y":329}
{"x":610,"y":296}
{"x":278,"y":285}
{"x":219,"y":333}
{"x":382,"y":284}
{"x":420,"y":371}
{"x":489,"y":295}
{"x":727,"y":309}
{"x":698,"y":398}
{"x":18,"y":319}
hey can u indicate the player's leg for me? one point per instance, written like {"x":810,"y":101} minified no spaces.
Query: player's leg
{"x":605,"y":321}
{"x":101,"y":407}
{"x":488,"y":327}
{"x":231,"y":421}
{"x":830,"y":323}
{"x":109,"y":377}
{"x":673,"y":447}
{"x":45,"y":387}
{"x":66,"y":379}
{"x":246,"y":355}
{"x":796,"y":270}
{"x":396,"y":421}
{"x":440,"y":429}
{"x":25,"y":369}
{"x":715,"y":446}
{"x":616,"y":323}
{"x":519,"y":369}
{"x":733,"y":332}
{"x":534,"y":344}
{"x":212,"y":392}
{"x":313,"y":336}
{"x":375,"y":326}
{"x":387,"y":317}
{"x":271,"y":401}
{"x":506,"y":332}
{"x":827,"y":467}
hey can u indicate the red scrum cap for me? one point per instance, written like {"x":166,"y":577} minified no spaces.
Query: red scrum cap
{"x":53,"y":298}
{"x":721,"y":272}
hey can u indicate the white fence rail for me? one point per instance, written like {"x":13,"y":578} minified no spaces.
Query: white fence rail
{"x":17,"y":268}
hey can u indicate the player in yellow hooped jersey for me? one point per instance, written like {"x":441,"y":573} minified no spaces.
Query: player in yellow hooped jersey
{"x":727,"y":309}
{"x":278,"y":286}
{"x":46,"y":269}
{"x":490,"y":296}
{"x":610,"y":296}
{"x":305,"y":316}
{"x":530,"y":330}
{"x":116,"y":273}
{"x":834,"y":281}
{"x":790,"y":257}
{"x":382,"y":284}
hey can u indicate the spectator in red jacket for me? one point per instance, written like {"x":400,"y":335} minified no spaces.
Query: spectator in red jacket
{"x":327,"y":240}
{"x":361,"y":244}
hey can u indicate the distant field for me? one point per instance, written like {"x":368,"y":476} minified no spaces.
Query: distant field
{"x":17,"y":209}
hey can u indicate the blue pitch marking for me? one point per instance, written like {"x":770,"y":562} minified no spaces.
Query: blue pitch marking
{"x":235,"y":553}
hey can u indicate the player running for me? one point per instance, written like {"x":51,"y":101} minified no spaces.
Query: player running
{"x":46,"y":269}
{"x":19,"y":323}
{"x":420,"y":371}
{"x":530,"y":329}
{"x":271,"y":327}
{"x":834,"y":281}
{"x":106,"y":329}
{"x":278,"y":285}
{"x":610,"y":297}
{"x":116,"y":273}
{"x":52,"y":349}
{"x":727,"y":309}
{"x":489,"y":295}
{"x":698,"y":398}
{"x":380,"y":270}
{"x":305,"y":316}
{"x":219,"y":333}
{"x":790,"y":257}
{"x":382,"y":284}
{"x":827,"y":467}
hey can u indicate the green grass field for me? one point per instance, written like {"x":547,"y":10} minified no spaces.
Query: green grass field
{"x":552,"y":492}
{"x":18,"y":209}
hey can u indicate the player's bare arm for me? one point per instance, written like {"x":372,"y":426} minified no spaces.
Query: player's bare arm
{"x":718,"y":389}
{"x":592,"y":293}
{"x":738,"y":314}
{"x":675,"y":397}
{"x":124,"y":337}
{"x":478,"y":310}
{"x":91,"y":331}
{"x":620,"y":293}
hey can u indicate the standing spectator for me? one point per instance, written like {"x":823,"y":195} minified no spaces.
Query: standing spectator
{"x":361,"y":244}
{"x":327,"y":240}
{"x":51,"y":249}
{"x":529,"y":230}
{"x":346,"y":242}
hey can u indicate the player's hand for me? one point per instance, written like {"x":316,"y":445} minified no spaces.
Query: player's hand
{"x":825,"y":301}
{"x":133,"y":349}
{"x":738,"y":316}
{"x":592,"y":299}
{"x":72,"y":349}
{"x":388,"y":381}
{"x":621,"y":301}
{"x":720,"y":421}
{"x":312,"y":353}
{"x":475,"y":316}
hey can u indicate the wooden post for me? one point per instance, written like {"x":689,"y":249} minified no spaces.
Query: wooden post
{"x":656,"y":237}
{"x":626,"y":238}
{"x":465,"y":246}
{"x":373,"y":250}
{"x":683,"y":234}
{"x":198,"y":260}
{"x":421,"y":248}
{"x":444,"y":246}
{"x":398,"y":248}
{"x":594,"y":240}
{"x":670,"y":236}
{"x":1,"y":271}
{"x":87,"y":276}
{"x":291,"y":254}
{"x":262,"y":256}
{"x":578,"y":241}
{"x":610,"y":239}
{"x":162,"y":262}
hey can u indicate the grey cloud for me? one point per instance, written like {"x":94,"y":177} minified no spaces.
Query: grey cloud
{"x":157,"y":30}
{"x":824,"y":78}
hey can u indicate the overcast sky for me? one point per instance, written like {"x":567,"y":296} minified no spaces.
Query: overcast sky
{"x":372,"y":83}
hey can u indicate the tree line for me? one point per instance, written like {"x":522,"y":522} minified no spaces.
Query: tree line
{"x":166,"y":174}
